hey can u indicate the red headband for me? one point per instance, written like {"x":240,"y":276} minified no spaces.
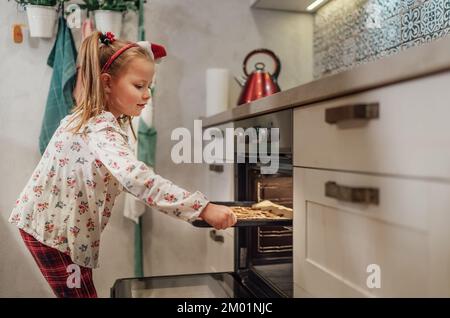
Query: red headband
{"x":115,"y":55}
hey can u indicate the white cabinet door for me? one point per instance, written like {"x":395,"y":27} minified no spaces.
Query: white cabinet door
{"x":220,"y":243}
{"x":341,"y":247}
{"x":410,"y":136}
{"x":220,"y":187}
{"x":220,"y":182}
{"x":220,"y":250}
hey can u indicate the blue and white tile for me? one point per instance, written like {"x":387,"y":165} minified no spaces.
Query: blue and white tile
{"x":353,"y":32}
{"x":391,"y":33}
{"x":446,"y":15}
{"x":432,"y":16}
{"x":410,"y":25}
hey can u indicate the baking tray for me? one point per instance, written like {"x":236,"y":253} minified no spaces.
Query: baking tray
{"x":243,"y":223}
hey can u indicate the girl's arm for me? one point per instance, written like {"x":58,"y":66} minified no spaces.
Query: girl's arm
{"x":110,"y":147}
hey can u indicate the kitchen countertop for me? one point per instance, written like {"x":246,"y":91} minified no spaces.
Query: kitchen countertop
{"x":430,"y":58}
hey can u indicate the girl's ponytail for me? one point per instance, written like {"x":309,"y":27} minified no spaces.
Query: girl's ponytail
{"x":91,"y":97}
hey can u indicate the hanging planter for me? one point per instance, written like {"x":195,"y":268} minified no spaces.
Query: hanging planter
{"x":41,"y":15}
{"x":107,"y":20}
{"x":108,"y":14}
{"x":41,"y":21}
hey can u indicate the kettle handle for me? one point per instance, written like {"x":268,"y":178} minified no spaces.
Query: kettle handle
{"x":263,"y":51}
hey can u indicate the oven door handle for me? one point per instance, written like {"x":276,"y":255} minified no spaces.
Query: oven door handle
{"x":357,"y":111}
{"x":352,"y":194}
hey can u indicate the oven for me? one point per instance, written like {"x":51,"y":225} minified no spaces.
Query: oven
{"x":264,"y":253}
{"x":262,"y":250}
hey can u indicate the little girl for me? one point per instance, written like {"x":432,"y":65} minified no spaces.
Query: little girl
{"x":68,"y":200}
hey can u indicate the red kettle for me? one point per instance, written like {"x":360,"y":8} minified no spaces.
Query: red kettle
{"x":259,"y":83}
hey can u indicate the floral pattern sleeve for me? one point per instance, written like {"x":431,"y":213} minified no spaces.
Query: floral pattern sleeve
{"x":110,"y":146}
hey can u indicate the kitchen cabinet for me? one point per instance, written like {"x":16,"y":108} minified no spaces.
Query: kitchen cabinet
{"x":378,"y":134}
{"x":220,"y":243}
{"x":408,"y":136}
{"x":220,"y":187}
{"x":372,"y":191}
{"x":337,"y":242}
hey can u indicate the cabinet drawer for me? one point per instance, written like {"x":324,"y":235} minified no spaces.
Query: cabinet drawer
{"x":219,"y":183}
{"x":220,"y":250}
{"x":219,"y":186}
{"x":410,"y":135}
{"x":212,"y":135}
{"x":337,"y":240}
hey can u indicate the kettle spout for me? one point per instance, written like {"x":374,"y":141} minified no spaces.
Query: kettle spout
{"x":241,"y":81}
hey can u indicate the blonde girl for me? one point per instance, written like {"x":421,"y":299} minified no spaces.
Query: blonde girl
{"x":68,"y":200}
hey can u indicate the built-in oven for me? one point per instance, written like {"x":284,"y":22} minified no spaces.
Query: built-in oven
{"x":263,"y":249}
{"x":265,"y":252}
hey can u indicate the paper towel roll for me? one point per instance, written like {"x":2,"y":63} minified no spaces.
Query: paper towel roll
{"x":217,"y":80}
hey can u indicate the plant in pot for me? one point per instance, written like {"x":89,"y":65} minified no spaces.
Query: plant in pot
{"x":41,"y":16}
{"x":108,"y":14}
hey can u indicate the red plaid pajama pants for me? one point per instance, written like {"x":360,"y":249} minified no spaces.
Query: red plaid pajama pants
{"x":54,"y":266}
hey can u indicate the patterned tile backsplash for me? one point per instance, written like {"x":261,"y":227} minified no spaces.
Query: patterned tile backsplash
{"x":348,"y":33}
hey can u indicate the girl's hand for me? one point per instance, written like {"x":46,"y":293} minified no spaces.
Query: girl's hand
{"x":218,"y":216}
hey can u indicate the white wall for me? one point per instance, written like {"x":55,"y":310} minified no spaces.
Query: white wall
{"x":198,"y":34}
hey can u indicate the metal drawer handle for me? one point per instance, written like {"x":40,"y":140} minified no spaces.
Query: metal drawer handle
{"x":357,"y":111}
{"x":216,"y":238}
{"x":216,"y":168}
{"x":349,"y":194}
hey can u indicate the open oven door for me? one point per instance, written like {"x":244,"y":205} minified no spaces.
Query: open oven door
{"x":209,"y":285}
{"x":212,"y":285}
{"x":236,"y":283}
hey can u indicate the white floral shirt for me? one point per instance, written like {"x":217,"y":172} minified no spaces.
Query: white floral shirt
{"x":68,"y":200}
